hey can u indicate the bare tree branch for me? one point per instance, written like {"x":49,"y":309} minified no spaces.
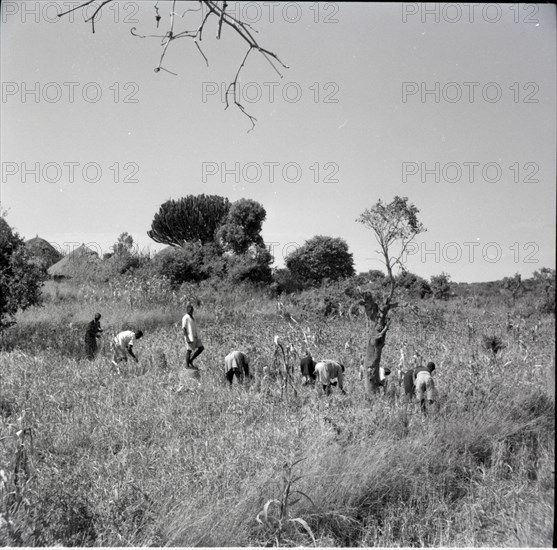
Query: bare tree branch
{"x":244,"y":30}
{"x":233,"y":85}
{"x":95,"y":13}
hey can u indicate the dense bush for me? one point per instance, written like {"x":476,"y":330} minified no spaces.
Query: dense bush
{"x":321,"y":258}
{"x":195,"y":263}
{"x":330,"y":298}
{"x":441,"y":286}
{"x":190,"y":263}
{"x":543,"y":283}
{"x":253,"y":266}
{"x":20,"y":277}
{"x":413,"y":285}
{"x":241,"y":228}
{"x":285,"y":282}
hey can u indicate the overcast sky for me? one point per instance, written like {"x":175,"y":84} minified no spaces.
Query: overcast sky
{"x":451,"y":105}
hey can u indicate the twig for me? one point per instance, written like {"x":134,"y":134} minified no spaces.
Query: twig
{"x":233,"y":85}
{"x":242,"y":29}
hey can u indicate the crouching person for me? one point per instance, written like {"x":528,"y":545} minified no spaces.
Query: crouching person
{"x":424,"y":386}
{"x":307,"y":367}
{"x":236,"y":363}
{"x":122,"y":346}
{"x":325,"y":372}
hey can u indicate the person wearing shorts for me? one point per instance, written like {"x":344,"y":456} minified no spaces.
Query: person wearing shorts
{"x":194,"y":346}
{"x":424,"y":386}
{"x":325,"y":372}
{"x":236,"y":363}
{"x":122,"y":346}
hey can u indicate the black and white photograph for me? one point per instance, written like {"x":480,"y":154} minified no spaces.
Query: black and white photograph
{"x":277,"y":274}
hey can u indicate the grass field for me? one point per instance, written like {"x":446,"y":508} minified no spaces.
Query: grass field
{"x":91,"y":458}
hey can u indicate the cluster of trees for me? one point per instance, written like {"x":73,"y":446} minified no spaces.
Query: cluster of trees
{"x":540,"y":289}
{"x":211,"y":237}
{"x":21,"y":278}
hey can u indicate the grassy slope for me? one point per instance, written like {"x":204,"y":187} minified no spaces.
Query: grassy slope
{"x":127,"y":460}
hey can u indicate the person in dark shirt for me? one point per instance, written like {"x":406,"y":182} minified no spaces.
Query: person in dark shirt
{"x":307,"y":367}
{"x":92,"y":333}
{"x":408,"y":385}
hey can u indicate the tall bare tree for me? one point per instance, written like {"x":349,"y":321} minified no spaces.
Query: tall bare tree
{"x":394,"y":226}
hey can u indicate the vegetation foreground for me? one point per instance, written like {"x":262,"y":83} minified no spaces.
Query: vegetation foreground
{"x":90,"y":458}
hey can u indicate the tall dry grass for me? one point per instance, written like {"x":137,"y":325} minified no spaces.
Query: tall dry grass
{"x":89,"y":457}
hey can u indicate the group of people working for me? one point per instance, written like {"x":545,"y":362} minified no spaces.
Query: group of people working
{"x":417,"y":382}
{"x":122,"y":343}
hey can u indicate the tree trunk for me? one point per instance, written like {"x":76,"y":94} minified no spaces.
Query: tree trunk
{"x":375,"y":345}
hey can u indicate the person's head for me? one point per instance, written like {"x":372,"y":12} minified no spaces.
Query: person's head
{"x":431,"y":366}
{"x":97,"y":316}
{"x":138,"y":334}
{"x":189,"y":309}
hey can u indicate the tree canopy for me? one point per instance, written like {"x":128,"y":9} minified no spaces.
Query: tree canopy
{"x":321,"y":258}
{"x":191,"y":219}
{"x":394,"y":224}
{"x":242,"y":226}
{"x":414,"y":285}
{"x":123,"y":244}
{"x":20,"y":277}
{"x":441,"y":286}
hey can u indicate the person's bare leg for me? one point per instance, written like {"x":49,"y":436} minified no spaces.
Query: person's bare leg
{"x":195,"y":354}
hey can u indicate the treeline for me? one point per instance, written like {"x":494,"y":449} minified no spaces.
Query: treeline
{"x":211,"y":239}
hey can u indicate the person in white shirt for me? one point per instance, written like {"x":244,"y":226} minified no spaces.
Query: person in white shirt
{"x":193,"y":342}
{"x":122,"y":346}
{"x":325,"y":372}
{"x":236,"y":363}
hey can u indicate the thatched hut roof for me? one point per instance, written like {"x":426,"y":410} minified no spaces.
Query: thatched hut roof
{"x":74,"y":261}
{"x":43,"y":252}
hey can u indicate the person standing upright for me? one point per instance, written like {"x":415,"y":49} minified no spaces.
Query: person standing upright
{"x":194,"y":346}
{"x":93,"y":332}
